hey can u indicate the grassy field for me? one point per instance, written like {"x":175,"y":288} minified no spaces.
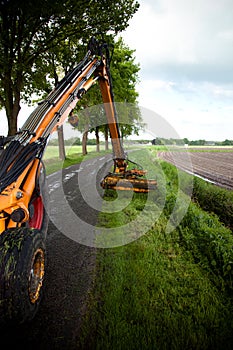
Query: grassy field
{"x":169,"y":289}
{"x":53,"y":151}
{"x":73,"y":156}
{"x":192,"y":148}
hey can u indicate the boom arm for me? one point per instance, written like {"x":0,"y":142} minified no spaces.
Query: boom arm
{"x":20,"y":160}
{"x":53,"y":111}
{"x":23,"y":218}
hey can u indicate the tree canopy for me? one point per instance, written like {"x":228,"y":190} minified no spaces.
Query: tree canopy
{"x":124,"y":72}
{"x":34,"y":34}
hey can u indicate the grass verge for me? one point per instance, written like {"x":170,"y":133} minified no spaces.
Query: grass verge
{"x":169,"y":289}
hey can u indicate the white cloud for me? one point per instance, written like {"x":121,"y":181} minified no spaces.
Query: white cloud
{"x":158,"y":37}
{"x":185,"y":50}
{"x":184,"y":36}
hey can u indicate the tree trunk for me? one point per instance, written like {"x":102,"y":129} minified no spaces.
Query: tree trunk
{"x":84,"y":142}
{"x":86,"y":129}
{"x":97,"y":139}
{"x":12,"y":124}
{"x":12,"y":112}
{"x":11,"y":101}
{"x":106,"y":138}
{"x":61,"y":143}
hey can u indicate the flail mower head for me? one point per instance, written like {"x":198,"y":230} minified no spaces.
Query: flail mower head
{"x":128,"y":180}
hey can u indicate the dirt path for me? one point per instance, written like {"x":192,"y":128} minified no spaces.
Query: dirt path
{"x":69,"y":277}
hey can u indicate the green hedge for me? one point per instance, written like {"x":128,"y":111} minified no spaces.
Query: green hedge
{"x":214,"y":199}
{"x":204,"y":232}
{"x":209,"y":197}
{"x":210,"y":243}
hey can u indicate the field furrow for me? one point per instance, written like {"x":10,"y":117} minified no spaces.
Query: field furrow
{"x":214,"y":166}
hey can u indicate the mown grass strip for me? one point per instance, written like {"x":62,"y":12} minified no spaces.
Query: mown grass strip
{"x":164,"y":290}
{"x":151,"y":296}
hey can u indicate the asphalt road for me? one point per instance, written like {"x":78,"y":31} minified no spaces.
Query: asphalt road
{"x":70,"y":270}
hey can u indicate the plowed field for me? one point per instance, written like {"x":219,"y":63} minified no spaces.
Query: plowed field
{"x":216,"y":167}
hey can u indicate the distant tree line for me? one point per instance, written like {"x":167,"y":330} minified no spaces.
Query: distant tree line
{"x":185,"y":141}
{"x":158,"y":141}
{"x":225,"y":143}
{"x":73,"y":141}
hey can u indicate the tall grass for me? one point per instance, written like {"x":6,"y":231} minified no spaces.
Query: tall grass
{"x":214,"y":199}
{"x":209,"y":197}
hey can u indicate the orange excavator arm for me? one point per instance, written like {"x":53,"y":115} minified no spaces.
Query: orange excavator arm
{"x":23,"y":216}
{"x":21,"y":157}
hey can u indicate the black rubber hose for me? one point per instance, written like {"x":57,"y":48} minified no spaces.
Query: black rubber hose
{"x":19,"y":164}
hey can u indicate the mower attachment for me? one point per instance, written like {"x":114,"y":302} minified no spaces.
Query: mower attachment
{"x":128,"y":182}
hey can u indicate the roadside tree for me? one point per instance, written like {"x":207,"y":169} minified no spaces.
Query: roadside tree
{"x":124,"y":73}
{"x":31,"y":32}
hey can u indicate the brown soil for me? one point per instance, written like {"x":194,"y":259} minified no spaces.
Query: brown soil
{"x":216,"y":167}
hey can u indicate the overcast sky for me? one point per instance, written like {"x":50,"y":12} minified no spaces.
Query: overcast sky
{"x":185,"y":50}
